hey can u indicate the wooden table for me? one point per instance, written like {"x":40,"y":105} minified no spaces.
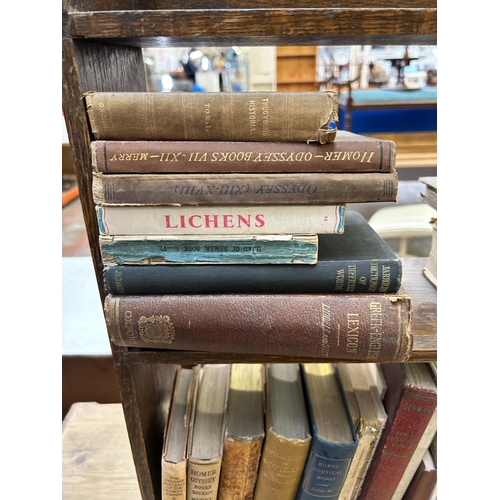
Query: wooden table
{"x":97,"y":461}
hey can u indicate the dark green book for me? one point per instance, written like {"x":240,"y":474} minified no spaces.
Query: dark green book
{"x":357,"y":261}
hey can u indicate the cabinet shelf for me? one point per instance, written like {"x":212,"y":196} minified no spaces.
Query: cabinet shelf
{"x":304,"y":24}
{"x":102,"y":41}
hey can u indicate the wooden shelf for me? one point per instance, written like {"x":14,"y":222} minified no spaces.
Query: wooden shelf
{"x":101,"y":46}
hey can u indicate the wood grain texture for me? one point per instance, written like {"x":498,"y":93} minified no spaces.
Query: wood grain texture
{"x":106,"y":5}
{"x":266,"y":26}
{"x":96,"y":457}
{"x":89,"y":64}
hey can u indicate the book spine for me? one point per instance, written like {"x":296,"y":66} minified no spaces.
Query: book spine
{"x":332,"y":276}
{"x":129,"y":157}
{"x":238,"y":189}
{"x":281,"y":467}
{"x":415,"y":408}
{"x":367,"y":444}
{"x":215,"y":220}
{"x":173,"y":480}
{"x":368,"y":327}
{"x":279,"y":249}
{"x":239,"y":455}
{"x":325,"y":470}
{"x":416,"y":459}
{"x":203,"y":479}
{"x":209,"y":116}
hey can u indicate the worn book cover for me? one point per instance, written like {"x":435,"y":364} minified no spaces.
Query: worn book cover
{"x":369,"y":418}
{"x":429,"y":193}
{"x":334,"y":441}
{"x":244,"y":432}
{"x":208,"y":116}
{"x":206,"y":438}
{"x":175,"y":453}
{"x":217,"y":220}
{"x":351,"y":326}
{"x":288,"y":436}
{"x":254,"y":249}
{"x":411,"y":405}
{"x":349,"y":152}
{"x":357,"y":261}
{"x":424,"y":481}
{"x":236,"y":189}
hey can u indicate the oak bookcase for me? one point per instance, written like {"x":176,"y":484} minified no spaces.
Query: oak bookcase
{"x":101,"y":50}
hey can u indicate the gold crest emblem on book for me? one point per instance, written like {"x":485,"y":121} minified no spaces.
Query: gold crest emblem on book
{"x":156,"y":328}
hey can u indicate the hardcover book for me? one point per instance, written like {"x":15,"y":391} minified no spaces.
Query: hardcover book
{"x":411,"y":405}
{"x":213,"y":116}
{"x":369,"y":418}
{"x":431,"y":266}
{"x":424,"y":482}
{"x":288,"y":437}
{"x":349,"y":152}
{"x":333,"y":441}
{"x":244,"y":433}
{"x":357,"y":261}
{"x":255,"y":249}
{"x":429,"y":194}
{"x":357,"y":327}
{"x":206,"y":439}
{"x":217,"y":220}
{"x":237,"y":189}
{"x":174,"y":454}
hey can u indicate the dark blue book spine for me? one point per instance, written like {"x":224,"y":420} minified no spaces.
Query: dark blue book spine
{"x":325,"y":470}
{"x":324,"y":277}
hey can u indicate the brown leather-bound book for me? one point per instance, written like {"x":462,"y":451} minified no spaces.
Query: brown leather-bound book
{"x":365,"y":326}
{"x":349,"y":152}
{"x":237,"y":189}
{"x":288,"y":437}
{"x":411,"y":405}
{"x":424,"y":481}
{"x":244,"y":432}
{"x":213,"y":116}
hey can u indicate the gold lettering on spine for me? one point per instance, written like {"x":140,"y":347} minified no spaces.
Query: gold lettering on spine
{"x":376,"y":330}
{"x":129,"y":328}
{"x":352,"y":344}
{"x":251,"y":116}
{"x":386,"y":278}
{"x":351,"y":278}
{"x":265,"y":117}
{"x":373,"y":277}
{"x":325,"y":329}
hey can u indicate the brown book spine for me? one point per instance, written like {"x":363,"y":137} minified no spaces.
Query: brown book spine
{"x":203,"y":478}
{"x":238,"y":189}
{"x":281,"y":467}
{"x":209,"y":116}
{"x":410,"y":408}
{"x":372,"y":327}
{"x":129,"y":157}
{"x":239,"y":455}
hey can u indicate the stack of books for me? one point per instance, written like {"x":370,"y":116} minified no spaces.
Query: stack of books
{"x":223,"y":228}
{"x":217,"y":210}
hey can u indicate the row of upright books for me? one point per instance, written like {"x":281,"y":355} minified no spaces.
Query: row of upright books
{"x":308,"y":431}
{"x":224,"y":228}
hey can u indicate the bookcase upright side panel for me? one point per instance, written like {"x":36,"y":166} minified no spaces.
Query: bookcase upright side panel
{"x":95,"y":66}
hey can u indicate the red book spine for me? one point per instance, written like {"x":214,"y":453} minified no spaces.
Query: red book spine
{"x":410,"y":409}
